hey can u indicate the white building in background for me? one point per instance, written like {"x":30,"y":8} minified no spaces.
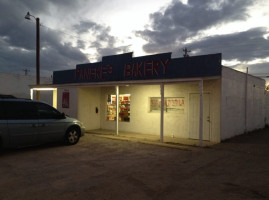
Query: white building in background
{"x":193,"y":97}
{"x":19,"y":86}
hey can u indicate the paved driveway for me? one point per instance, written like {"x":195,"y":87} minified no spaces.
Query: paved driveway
{"x":101,"y":168}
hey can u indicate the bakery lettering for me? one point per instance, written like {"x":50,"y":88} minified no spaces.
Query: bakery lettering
{"x":146,"y":68}
{"x":94,"y":73}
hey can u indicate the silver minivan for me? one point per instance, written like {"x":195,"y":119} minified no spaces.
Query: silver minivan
{"x":25,"y":122}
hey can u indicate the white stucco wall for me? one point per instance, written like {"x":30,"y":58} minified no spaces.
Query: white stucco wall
{"x":256,"y":103}
{"x":88,"y":102}
{"x":141,"y":120}
{"x":266,"y":110}
{"x":18,"y":86}
{"x":234,"y":107}
{"x":72,"y":111}
{"x":144,"y":121}
{"x":178,"y":124}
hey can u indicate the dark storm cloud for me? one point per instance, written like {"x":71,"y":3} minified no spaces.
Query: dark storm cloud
{"x":102,"y":41}
{"x":87,"y":26}
{"x":98,"y":32}
{"x":112,"y":51}
{"x":169,"y":29}
{"x":14,"y":59}
{"x":18,"y":39}
{"x":259,"y":69}
{"x":243,"y":46}
{"x":18,"y":36}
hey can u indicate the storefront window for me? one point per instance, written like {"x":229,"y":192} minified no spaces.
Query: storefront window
{"x":124,"y":107}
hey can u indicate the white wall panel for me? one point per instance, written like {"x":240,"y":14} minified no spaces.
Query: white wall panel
{"x":175,"y":124}
{"x":89,"y":107}
{"x":18,"y":86}
{"x":241,"y":109}
{"x":72,"y":111}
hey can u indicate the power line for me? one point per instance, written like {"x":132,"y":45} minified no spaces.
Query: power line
{"x":221,"y":43}
{"x":60,"y":31}
{"x":42,"y":25}
{"x":74,"y":36}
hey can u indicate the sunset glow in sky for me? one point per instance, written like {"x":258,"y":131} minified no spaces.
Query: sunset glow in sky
{"x":81,"y":31}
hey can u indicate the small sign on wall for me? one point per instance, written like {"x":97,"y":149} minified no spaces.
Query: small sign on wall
{"x":171,"y":104}
{"x":65,"y":99}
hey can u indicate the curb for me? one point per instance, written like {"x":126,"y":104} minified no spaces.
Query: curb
{"x":168,"y":145}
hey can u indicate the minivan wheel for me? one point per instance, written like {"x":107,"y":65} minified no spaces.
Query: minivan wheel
{"x":1,"y":146}
{"x":72,"y":136}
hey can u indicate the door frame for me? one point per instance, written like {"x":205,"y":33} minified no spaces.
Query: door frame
{"x":206,"y":119}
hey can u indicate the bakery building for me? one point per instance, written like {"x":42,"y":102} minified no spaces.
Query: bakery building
{"x":193,"y":98}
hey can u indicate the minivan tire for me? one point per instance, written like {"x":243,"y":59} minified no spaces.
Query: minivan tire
{"x":72,"y":136}
{"x":1,"y":145}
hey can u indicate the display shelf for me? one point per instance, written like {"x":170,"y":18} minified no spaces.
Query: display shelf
{"x":124,"y":108}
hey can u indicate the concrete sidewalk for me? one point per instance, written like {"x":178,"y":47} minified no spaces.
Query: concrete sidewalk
{"x":172,"y":142}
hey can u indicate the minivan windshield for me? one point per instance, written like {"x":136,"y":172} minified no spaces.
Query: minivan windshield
{"x":47,"y":112}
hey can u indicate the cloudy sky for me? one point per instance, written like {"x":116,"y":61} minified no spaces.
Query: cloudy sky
{"x":81,"y":31}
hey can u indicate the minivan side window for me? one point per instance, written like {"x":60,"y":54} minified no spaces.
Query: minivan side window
{"x":2,"y":111}
{"x":47,"y":112}
{"x":14,"y":110}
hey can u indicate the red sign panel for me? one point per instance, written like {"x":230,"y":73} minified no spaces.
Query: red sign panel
{"x":65,"y":100}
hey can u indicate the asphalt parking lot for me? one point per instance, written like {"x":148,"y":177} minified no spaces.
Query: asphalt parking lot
{"x":101,"y":168}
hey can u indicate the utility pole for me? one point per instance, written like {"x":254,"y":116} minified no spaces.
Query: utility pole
{"x":186,"y":51}
{"x":26,"y":71}
{"x":28,"y":15}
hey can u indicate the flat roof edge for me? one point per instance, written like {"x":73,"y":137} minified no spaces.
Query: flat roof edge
{"x":134,"y":82}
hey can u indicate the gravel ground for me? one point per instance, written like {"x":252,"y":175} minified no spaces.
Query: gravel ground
{"x":101,"y":168}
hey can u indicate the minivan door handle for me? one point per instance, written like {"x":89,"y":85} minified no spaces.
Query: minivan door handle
{"x":41,"y":125}
{"x":34,"y":125}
